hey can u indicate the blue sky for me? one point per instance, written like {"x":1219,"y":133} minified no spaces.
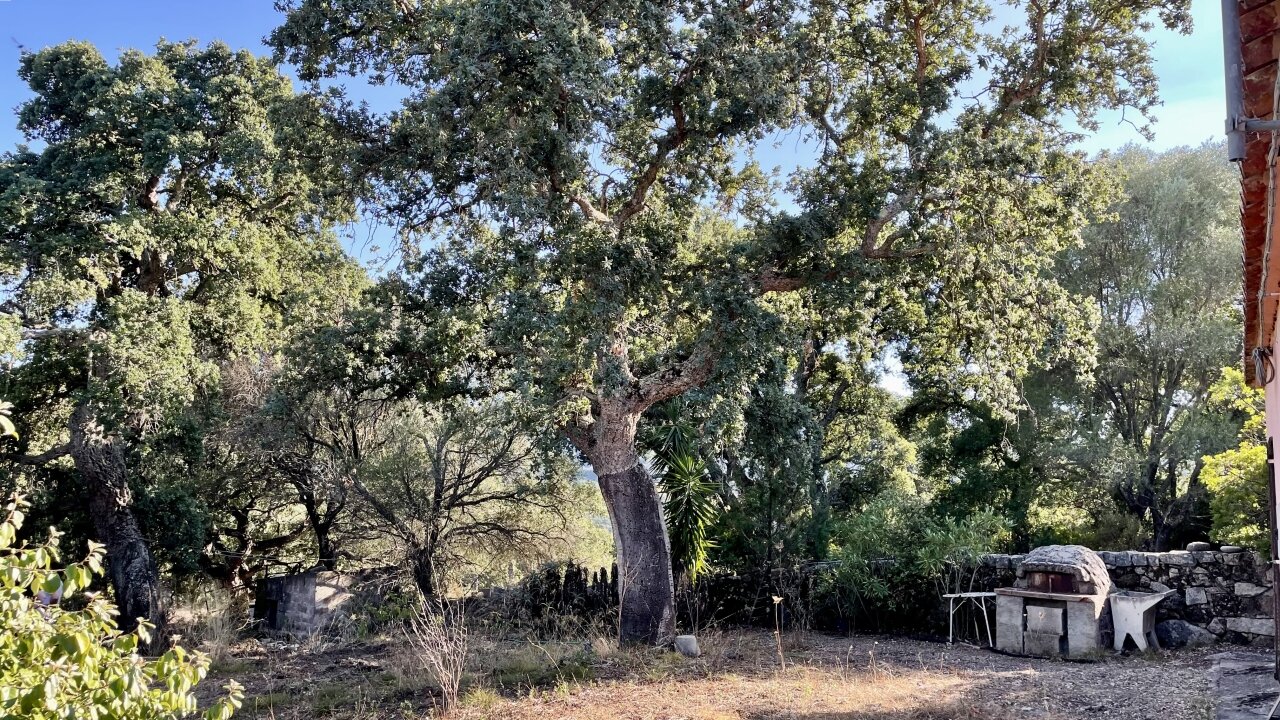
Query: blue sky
{"x":1190,"y":68}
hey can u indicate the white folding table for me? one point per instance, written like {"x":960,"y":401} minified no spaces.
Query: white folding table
{"x":979,"y":601}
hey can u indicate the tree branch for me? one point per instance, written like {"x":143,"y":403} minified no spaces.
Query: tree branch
{"x":673,"y":139}
{"x":47,"y":456}
{"x":677,"y":378}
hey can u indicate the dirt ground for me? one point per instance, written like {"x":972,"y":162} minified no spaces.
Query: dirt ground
{"x":739,"y":677}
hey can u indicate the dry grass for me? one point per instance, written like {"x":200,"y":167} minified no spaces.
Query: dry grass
{"x":800,"y":692}
{"x":209,"y":621}
{"x":737,"y":678}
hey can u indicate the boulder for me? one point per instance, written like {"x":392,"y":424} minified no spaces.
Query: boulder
{"x":1232,"y":549}
{"x":1197,"y":546}
{"x":1180,"y":633}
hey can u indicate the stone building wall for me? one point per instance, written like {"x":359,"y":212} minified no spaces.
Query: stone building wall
{"x":1227,"y":593}
{"x":304,"y":603}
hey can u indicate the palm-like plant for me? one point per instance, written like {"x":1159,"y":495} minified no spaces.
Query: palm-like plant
{"x":690,"y":503}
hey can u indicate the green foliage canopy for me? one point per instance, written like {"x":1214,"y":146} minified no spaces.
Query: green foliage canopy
{"x":567,"y":152}
{"x":173,"y":211}
{"x":1164,"y":271}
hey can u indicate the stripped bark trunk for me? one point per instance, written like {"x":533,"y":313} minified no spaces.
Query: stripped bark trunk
{"x":100,"y":460}
{"x":646,"y":587}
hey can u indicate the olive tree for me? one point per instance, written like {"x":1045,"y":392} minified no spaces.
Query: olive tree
{"x":584,"y":174}
{"x":457,"y":478}
{"x":1164,"y":270}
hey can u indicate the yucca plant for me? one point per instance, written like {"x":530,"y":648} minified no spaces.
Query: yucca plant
{"x":691,"y":501}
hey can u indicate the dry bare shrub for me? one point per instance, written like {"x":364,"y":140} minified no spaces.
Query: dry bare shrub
{"x":438,"y":633}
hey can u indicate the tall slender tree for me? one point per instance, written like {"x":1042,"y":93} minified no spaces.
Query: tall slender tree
{"x":566,"y":155}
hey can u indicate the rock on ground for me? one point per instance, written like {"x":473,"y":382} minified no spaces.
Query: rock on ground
{"x":1180,"y":633}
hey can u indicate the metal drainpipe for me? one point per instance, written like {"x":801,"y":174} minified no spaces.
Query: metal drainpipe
{"x":1232,"y":62}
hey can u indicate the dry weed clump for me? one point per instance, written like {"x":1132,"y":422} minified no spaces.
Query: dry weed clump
{"x":438,"y":632}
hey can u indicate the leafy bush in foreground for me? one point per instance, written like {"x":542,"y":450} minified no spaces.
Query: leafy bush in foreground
{"x":893,"y":552}
{"x":1237,"y":478}
{"x":56,"y":662}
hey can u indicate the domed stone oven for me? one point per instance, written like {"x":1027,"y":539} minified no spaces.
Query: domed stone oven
{"x":1056,"y":605}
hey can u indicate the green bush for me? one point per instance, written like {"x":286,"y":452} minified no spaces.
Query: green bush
{"x":894,"y":552}
{"x":1237,"y":484}
{"x":56,"y":662}
{"x":1237,"y":478}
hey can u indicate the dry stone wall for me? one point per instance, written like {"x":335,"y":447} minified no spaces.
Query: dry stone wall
{"x":1228,"y":593}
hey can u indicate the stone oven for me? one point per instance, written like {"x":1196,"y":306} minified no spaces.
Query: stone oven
{"x":1057,"y":604}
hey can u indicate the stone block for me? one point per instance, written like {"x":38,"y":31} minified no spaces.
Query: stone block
{"x":1206,"y":557}
{"x":1122,"y":559}
{"x":1252,"y":626}
{"x":1232,"y":558}
{"x":1177,"y":557}
{"x":1197,"y":546}
{"x":1044,"y":619}
{"x":1244,"y":589}
{"x":1231,"y":549}
{"x":1083,"y":637}
{"x":1159,"y":587}
{"x":1009,"y":624}
{"x":1197,"y":596}
{"x":687,"y":645}
{"x":1217,"y":626}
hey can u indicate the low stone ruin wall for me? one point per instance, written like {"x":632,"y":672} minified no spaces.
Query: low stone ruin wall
{"x":309,"y":602}
{"x":1227,"y":593}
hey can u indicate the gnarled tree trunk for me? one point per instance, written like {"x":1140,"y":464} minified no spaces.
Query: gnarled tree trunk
{"x":100,"y":461}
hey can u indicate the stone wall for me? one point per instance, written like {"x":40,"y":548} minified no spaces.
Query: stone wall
{"x":304,"y":603}
{"x":1226,"y":593}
